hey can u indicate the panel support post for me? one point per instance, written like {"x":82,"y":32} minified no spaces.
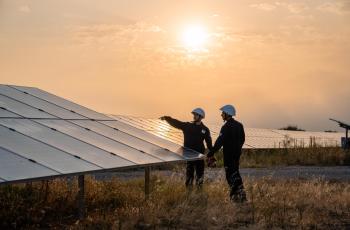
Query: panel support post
{"x":81,"y":197}
{"x":147,"y":181}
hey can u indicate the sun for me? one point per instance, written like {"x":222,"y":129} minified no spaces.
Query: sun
{"x":195,"y":37}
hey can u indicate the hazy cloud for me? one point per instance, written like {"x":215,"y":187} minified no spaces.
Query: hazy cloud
{"x":293,"y":7}
{"x":264,"y":6}
{"x":113,"y":33}
{"x":151,"y":46}
{"x":346,"y":5}
{"x":336,"y":7}
{"x":296,"y":8}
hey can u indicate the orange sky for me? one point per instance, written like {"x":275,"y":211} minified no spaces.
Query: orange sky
{"x":278,"y":62}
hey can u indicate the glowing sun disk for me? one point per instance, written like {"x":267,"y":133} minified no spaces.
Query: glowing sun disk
{"x":195,"y":37}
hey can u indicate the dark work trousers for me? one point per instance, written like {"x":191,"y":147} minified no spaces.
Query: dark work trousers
{"x":234,"y":180}
{"x":197,"y":166}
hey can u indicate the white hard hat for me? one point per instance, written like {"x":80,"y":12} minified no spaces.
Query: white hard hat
{"x":199,"y":111}
{"x":229,"y":110}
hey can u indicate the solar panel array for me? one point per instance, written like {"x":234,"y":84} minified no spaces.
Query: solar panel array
{"x":255,"y":138}
{"x":42,"y":136}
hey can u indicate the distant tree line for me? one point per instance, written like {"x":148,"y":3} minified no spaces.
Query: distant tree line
{"x":292,"y":128}
{"x":296,"y":128}
{"x":330,"y":131}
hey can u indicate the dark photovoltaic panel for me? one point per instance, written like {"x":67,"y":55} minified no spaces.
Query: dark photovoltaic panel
{"x":56,"y":159}
{"x":65,"y":143}
{"x":14,"y":167}
{"x":21,"y":109}
{"x":44,"y":136}
{"x":60,"y":102}
{"x":37,"y":104}
{"x":133,"y":141}
{"x":4,"y":113}
{"x":101,"y":142}
{"x":255,"y":138}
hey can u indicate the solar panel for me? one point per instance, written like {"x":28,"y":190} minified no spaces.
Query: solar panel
{"x":107,"y":144}
{"x":149,"y":137}
{"x":56,"y":159}
{"x":131,"y":140}
{"x":22,"y":109}
{"x":155,"y":126}
{"x":37,"y":103}
{"x":14,"y":167}
{"x":53,"y":99}
{"x":56,"y":139}
{"x":5,"y":113}
{"x":49,"y":136}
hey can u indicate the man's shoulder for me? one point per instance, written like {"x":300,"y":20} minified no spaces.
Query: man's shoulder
{"x":235,"y":123}
{"x":204,"y":126}
{"x":239,"y":123}
{"x":225,"y":126}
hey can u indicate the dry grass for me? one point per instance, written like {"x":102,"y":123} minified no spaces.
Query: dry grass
{"x":317,"y":156}
{"x":115,"y":204}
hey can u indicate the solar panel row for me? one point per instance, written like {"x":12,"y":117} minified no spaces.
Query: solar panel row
{"x":42,"y":135}
{"x":255,"y":138}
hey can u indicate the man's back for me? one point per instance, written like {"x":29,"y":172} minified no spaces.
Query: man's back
{"x":234,"y":135}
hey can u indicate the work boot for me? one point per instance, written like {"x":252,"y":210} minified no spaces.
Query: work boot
{"x":239,"y":197}
{"x":199,"y":184}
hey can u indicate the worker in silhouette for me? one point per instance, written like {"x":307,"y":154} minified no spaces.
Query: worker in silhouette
{"x":231,"y":138}
{"x":195,"y":133}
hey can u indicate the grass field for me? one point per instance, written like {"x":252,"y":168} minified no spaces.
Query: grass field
{"x":120,"y":204}
{"x":116,"y":204}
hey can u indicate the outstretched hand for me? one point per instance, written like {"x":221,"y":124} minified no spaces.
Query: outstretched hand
{"x":164,"y":118}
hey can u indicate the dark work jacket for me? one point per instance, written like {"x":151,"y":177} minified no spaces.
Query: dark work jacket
{"x":194,"y":135}
{"x":231,"y":138}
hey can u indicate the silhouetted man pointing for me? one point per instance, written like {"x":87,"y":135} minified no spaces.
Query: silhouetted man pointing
{"x":195,"y":133}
